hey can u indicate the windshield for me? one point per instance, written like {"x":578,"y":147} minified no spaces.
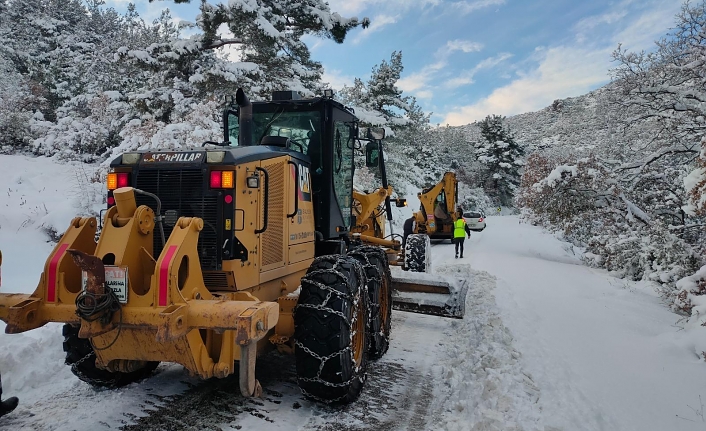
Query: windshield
{"x":301,"y":127}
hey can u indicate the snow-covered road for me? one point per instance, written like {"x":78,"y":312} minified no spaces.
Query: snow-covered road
{"x":606,"y":353}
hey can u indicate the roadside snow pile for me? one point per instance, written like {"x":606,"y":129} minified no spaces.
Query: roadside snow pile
{"x":691,"y":299}
{"x":40,"y":197}
{"x":486,"y":387}
{"x":41,"y":193}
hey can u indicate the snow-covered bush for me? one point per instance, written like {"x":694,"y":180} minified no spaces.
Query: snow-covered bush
{"x":193,"y":123}
{"x":18,"y":98}
{"x":85,"y":129}
{"x":561,"y":192}
{"x":643,"y":252}
{"x":690,"y":297}
{"x":474,"y":199}
{"x":586,"y":201}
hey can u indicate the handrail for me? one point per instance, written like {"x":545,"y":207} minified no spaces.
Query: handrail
{"x":296,"y":188}
{"x":266,"y":192}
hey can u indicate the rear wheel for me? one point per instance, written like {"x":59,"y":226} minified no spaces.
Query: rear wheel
{"x":377,"y":272}
{"x":417,"y":253}
{"x":82,"y":358}
{"x":330,"y":330}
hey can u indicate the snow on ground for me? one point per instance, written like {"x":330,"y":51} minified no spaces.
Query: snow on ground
{"x":546,"y":344}
{"x":606,"y":353}
{"x":36,"y":195}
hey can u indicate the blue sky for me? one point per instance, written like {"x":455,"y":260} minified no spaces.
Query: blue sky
{"x":464,"y":60}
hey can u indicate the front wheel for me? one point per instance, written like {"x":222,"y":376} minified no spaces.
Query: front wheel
{"x":417,"y":253}
{"x":330,"y":330}
{"x":82,"y":359}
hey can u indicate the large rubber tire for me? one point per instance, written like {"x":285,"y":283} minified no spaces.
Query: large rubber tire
{"x":330,"y":330}
{"x":82,"y":359}
{"x":417,"y":253}
{"x":378,"y":277}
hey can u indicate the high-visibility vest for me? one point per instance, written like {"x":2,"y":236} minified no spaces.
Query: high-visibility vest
{"x":460,"y":228}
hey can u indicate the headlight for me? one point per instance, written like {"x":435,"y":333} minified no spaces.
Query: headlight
{"x":215,"y":156}
{"x":131,"y":158}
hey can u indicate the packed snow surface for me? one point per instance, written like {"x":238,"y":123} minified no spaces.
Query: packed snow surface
{"x":546,"y":344}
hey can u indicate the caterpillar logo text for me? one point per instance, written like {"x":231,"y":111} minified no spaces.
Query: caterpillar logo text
{"x":304,"y":183}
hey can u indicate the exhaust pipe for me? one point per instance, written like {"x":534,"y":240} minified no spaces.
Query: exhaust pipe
{"x":244,"y":118}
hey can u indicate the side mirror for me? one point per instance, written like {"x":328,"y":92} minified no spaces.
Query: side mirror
{"x":376,"y":133}
{"x":400,"y":202}
{"x":372,"y":155}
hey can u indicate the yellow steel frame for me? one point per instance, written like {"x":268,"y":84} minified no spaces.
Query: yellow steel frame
{"x":168,"y":306}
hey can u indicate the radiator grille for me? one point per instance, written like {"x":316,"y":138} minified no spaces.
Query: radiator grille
{"x":183,"y":191}
{"x":272,"y":241}
{"x":215,"y":280}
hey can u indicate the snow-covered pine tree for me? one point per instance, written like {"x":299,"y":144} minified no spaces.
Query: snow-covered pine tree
{"x":383,"y":95}
{"x":379,"y":102}
{"x":268,"y":33}
{"x":502,"y":157}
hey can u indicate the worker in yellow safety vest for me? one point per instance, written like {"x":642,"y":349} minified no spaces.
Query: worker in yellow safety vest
{"x":461,"y":229}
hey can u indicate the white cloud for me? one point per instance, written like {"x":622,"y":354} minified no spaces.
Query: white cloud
{"x":466,"y":7}
{"x":461,"y":45}
{"x":230,"y":52}
{"x":354,"y":7}
{"x":414,"y":81}
{"x":648,"y":27}
{"x":491,"y":62}
{"x":563,"y":72}
{"x":421,"y":79}
{"x":459,"y":81}
{"x":425,"y":94}
{"x":572,"y":70}
{"x":376,"y":24}
{"x":466,"y":77}
{"x":349,"y":7}
{"x":336,"y":79}
{"x":591,"y":22}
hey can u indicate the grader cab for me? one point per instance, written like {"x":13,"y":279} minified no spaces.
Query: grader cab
{"x":216,"y":255}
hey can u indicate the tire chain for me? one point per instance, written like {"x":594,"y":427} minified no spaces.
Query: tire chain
{"x":416,"y":256}
{"x":374,"y":305}
{"x":91,"y":355}
{"x":83,"y":377}
{"x":323,"y":359}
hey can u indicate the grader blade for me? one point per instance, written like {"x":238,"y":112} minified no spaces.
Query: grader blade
{"x":437,"y":298}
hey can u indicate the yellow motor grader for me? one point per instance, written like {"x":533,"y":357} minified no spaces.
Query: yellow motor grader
{"x":216,"y":255}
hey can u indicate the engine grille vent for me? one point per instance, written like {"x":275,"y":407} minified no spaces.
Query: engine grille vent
{"x":215,"y":280}
{"x":182,"y":191}
{"x":273,"y":237}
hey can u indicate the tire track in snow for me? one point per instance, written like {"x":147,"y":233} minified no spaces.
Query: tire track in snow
{"x":487,"y":388}
{"x":400,"y":386}
{"x":396,"y":396}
